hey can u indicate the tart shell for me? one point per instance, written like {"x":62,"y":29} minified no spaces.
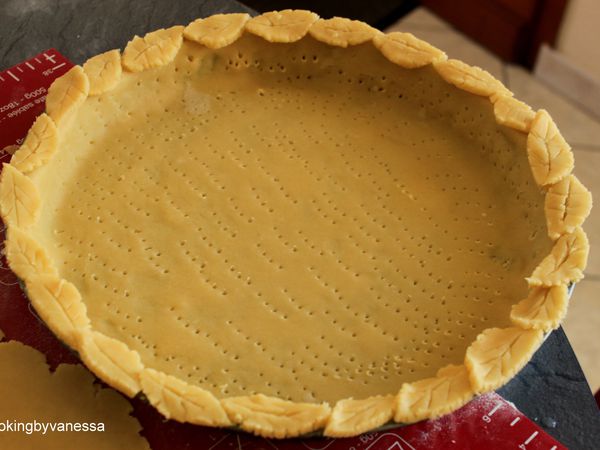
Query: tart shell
{"x":496,"y":355}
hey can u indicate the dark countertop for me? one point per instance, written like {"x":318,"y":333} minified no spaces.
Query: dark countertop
{"x":551,"y":389}
{"x":83,"y":28}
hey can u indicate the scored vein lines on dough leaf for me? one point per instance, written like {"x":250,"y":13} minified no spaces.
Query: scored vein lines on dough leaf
{"x":20,"y":192}
{"x":63,"y":309}
{"x":549,"y":159}
{"x":276,"y":410}
{"x":29,"y":155}
{"x":567,"y":199}
{"x":414,"y":46}
{"x":361,"y":409}
{"x":183,"y":402}
{"x":467,"y":76}
{"x":536,"y":309}
{"x":283,"y":24}
{"x":563,"y":257}
{"x":544,"y":307}
{"x":222,"y":27}
{"x":19,"y":210}
{"x":448,"y":388}
{"x":491,"y":361}
{"x":70,"y":96}
{"x":147,"y":48}
{"x":443,"y":383}
{"x":105,"y":68}
{"x":25,"y":254}
{"x":113,"y":361}
{"x":38,"y":135}
{"x":338,"y":30}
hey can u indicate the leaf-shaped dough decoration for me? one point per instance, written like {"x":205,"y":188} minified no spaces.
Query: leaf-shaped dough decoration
{"x":470,"y":78}
{"x":103,"y":71}
{"x":513,"y":113}
{"x":433,"y":397}
{"x":549,"y":154}
{"x":217,"y":31}
{"x":26,"y":257}
{"x":406,"y":50}
{"x":19,"y":198}
{"x":275,"y":418}
{"x":177,"y":400}
{"x":66,"y":94}
{"x":567,"y":205}
{"x":289,"y":25}
{"x":153,"y":50}
{"x":498,"y":354}
{"x":353,"y":417}
{"x":112,"y":360}
{"x":543,"y":309}
{"x":342,"y":32}
{"x":59,"y":304}
{"x":565,"y":263}
{"x":39,"y":145}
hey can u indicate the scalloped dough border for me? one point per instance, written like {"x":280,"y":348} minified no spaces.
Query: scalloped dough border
{"x":490,"y":361}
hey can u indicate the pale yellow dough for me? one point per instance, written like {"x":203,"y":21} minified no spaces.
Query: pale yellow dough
{"x":25,"y":256}
{"x":406,"y":50}
{"x":282,"y":26}
{"x":112,"y":360}
{"x":29,"y":391}
{"x":39,"y":145}
{"x":180,"y":401}
{"x":66,"y":94}
{"x":275,"y":418}
{"x":19,"y":198}
{"x":216,"y":31}
{"x":435,"y":396}
{"x":103,"y":71}
{"x":153,"y":50}
{"x":289,"y":224}
{"x":513,"y":113}
{"x":497,"y":354}
{"x":351,"y":417}
{"x":278,"y":251}
{"x":342,"y":32}
{"x":568,"y":203}
{"x":543,"y":309}
{"x":549,"y":154}
{"x":565,"y":263}
{"x":471,"y":79}
{"x":59,"y":304}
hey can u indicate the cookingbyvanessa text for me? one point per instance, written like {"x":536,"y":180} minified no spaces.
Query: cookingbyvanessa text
{"x":14,"y":426}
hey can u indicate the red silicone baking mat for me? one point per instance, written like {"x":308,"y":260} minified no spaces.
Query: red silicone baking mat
{"x":23,"y":91}
{"x":488,"y":422}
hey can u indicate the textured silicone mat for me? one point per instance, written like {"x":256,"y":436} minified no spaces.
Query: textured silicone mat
{"x":487,"y":422}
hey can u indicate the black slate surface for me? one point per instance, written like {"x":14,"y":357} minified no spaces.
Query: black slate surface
{"x":550,"y":390}
{"x":83,"y":28}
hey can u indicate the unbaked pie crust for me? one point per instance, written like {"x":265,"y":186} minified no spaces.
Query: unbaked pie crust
{"x":288,"y":224}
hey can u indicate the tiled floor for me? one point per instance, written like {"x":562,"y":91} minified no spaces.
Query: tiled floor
{"x":582,"y":324}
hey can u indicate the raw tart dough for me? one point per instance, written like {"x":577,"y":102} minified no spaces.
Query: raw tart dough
{"x":29,"y":392}
{"x":288,"y":224}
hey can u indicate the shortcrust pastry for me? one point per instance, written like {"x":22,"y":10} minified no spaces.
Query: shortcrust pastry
{"x":288,"y":224}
